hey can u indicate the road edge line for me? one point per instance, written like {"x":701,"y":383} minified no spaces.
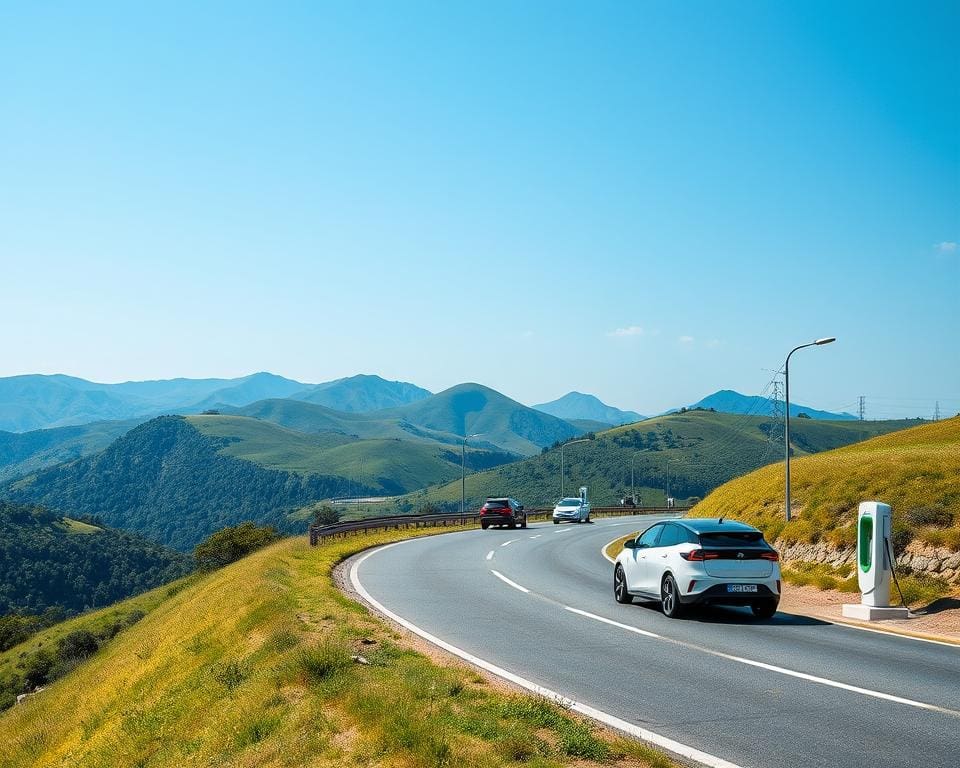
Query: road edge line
{"x":690,"y":753}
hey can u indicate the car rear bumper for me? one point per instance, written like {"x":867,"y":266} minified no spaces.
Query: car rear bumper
{"x":718,"y":594}
{"x":499,"y":519}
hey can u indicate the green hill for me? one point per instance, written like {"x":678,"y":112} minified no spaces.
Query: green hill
{"x":383,"y":466}
{"x":688,"y":454}
{"x":472,"y":408}
{"x":916,"y":470}
{"x":50,"y":561}
{"x":171,"y":482}
{"x":23,"y":452}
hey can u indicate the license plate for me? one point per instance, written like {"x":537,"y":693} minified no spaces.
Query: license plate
{"x":741,"y":587}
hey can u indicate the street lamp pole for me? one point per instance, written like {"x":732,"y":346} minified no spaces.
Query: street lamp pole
{"x":463,"y":474}
{"x":786,"y":427}
{"x":572,"y":442}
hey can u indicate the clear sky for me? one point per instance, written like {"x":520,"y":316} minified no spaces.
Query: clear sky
{"x":646,"y":201}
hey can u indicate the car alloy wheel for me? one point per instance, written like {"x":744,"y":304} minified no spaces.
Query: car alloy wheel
{"x":670,"y":598}
{"x":620,"y":593}
{"x":764,"y":609}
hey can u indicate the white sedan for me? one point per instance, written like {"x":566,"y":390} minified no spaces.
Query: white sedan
{"x":693,"y":561}
{"x":573,"y":510}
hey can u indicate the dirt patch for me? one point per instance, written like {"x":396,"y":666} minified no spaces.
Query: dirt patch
{"x":940,"y":620}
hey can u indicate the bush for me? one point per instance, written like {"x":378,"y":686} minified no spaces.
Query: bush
{"x":230,"y":544}
{"x":325,"y":515}
{"x":16,"y":628}
{"x":78,"y":644}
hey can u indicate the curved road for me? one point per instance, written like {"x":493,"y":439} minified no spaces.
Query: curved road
{"x":536,"y":605}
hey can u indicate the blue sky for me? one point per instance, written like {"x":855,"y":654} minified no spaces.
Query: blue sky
{"x":640,"y":200}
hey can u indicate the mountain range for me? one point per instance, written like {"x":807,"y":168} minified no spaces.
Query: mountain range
{"x":729,"y":401}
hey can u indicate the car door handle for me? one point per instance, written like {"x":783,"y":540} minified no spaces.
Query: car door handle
{"x":663,"y":555}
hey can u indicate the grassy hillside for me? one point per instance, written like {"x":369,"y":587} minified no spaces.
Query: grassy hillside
{"x":387,"y":466}
{"x":472,"y":408}
{"x":170,"y":482}
{"x":251,"y":666}
{"x":50,"y":561}
{"x":688,"y":453}
{"x":25,"y":452}
{"x":917,"y":471}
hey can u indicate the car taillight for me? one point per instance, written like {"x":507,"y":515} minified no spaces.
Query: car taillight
{"x":699,"y":555}
{"x":773,"y":556}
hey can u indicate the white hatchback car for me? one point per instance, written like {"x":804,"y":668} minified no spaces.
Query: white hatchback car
{"x":573,"y":509}
{"x":694,"y":561}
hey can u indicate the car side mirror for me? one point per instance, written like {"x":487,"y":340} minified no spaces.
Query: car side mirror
{"x":630,"y":544}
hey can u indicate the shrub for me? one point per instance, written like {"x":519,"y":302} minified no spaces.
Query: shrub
{"x":325,"y":515}
{"x":230,"y":544}
{"x":78,"y":644}
{"x":325,"y":660}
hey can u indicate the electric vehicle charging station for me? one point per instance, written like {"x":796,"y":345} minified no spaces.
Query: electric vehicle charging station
{"x":874,"y":568}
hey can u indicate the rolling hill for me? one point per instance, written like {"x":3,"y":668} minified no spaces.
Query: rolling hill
{"x":475,"y":409}
{"x":167,"y":480}
{"x":361,"y":394}
{"x":47,"y":561}
{"x":916,"y":470}
{"x":23,"y":452}
{"x":688,"y":453}
{"x":385,"y":466}
{"x":576,"y":406}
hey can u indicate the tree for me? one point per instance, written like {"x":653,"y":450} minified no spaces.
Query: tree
{"x":325,"y":515}
{"x":230,"y":544}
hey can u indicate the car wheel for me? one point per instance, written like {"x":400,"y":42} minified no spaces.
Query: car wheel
{"x":523,"y":523}
{"x":556,"y":522}
{"x":670,"y":598}
{"x":765,"y":609}
{"x":620,"y":593}
{"x":483,"y":525}
{"x":513,"y":525}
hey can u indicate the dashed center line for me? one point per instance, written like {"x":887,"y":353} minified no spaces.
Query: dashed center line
{"x":537,"y":536}
{"x":508,"y":543}
{"x":505,"y":580}
{"x":490,"y":555}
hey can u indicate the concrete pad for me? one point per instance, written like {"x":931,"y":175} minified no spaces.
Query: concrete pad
{"x":873,"y":613}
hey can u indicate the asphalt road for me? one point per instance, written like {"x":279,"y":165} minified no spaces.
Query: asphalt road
{"x":790,"y":691}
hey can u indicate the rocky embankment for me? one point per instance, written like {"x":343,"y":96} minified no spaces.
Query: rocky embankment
{"x":920,"y":558}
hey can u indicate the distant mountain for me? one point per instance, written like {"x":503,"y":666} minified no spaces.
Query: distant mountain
{"x":250,"y":389}
{"x":728,"y":401}
{"x":47,"y":560}
{"x":23,"y":452}
{"x":361,"y":394}
{"x":169,"y":481}
{"x":35,"y":401}
{"x":578,"y":406}
{"x":472,"y":408}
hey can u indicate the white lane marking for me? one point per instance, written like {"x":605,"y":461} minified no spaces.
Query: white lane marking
{"x":584,"y":709}
{"x":508,"y":543}
{"x":490,"y":555}
{"x":537,"y":536}
{"x":564,"y":530}
{"x":505,"y":580}
{"x":771,"y":667}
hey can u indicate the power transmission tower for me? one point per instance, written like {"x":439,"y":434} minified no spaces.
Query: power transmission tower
{"x":862,"y":403}
{"x":936,"y":411}
{"x":776,"y":434}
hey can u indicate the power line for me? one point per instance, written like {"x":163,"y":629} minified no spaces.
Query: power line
{"x":862,"y":400}
{"x":936,"y":411}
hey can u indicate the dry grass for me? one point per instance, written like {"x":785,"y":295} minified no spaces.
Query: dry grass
{"x":251,"y":666}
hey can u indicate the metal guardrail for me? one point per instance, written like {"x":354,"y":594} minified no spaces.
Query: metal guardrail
{"x":318,"y":533}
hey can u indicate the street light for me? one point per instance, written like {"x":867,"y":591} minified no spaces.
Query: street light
{"x":786,"y":430}
{"x":463,"y":474}
{"x":572,"y":442}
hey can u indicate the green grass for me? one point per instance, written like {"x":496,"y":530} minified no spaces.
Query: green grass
{"x":252,"y":666}
{"x":79,"y":527}
{"x":691,"y":453}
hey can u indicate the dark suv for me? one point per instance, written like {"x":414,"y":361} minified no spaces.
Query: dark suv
{"x":501,"y":512}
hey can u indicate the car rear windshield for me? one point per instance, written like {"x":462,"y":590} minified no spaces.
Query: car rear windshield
{"x":569,"y":503}
{"x":496,"y":504}
{"x":730,"y":539}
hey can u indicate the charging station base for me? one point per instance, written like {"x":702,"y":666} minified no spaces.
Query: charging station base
{"x":873,"y":613}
